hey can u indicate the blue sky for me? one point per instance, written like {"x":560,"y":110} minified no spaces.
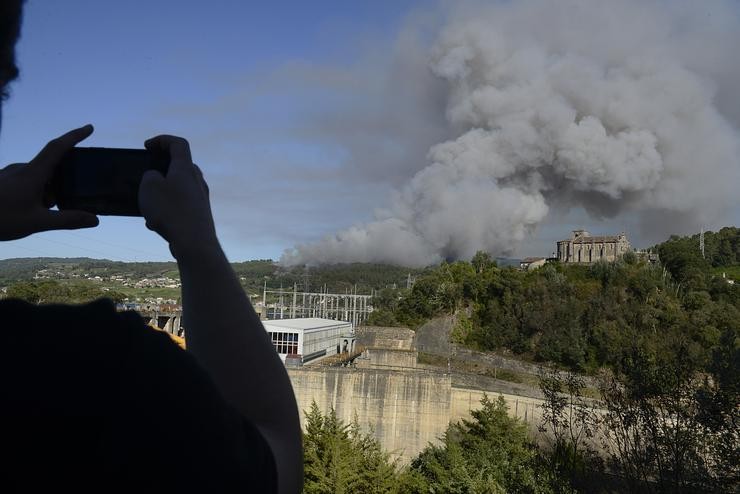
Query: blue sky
{"x":304,"y":116}
{"x":138,"y":68}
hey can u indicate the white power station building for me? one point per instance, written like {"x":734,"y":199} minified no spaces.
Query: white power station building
{"x":312,"y":338}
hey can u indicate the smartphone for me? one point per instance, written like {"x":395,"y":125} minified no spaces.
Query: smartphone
{"x":103,"y":181}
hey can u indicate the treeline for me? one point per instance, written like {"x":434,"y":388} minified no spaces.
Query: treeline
{"x":582,"y":317}
{"x":54,"y":292}
{"x":721,"y":249}
{"x":682,"y":256}
{"x":24,"y":269}
{"x":336,"y":278}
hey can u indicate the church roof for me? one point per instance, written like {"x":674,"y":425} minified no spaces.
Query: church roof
{"x":598,"y":239}
{"x":593,"y":240}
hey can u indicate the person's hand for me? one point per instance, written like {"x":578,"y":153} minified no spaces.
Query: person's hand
{"x":177,"y":206}
{"x":22,"y":209}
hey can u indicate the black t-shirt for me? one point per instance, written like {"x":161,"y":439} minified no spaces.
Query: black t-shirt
{"x":94,"y":400}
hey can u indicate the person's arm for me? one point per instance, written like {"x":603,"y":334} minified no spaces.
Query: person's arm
{"x":222,"y":330}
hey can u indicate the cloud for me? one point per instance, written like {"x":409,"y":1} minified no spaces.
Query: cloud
{"x":616,"y":108}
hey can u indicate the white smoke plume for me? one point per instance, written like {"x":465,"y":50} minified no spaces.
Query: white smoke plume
{"x":616,"y":107}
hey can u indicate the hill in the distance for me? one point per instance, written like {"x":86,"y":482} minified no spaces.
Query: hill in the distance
{"x":361,"y":277}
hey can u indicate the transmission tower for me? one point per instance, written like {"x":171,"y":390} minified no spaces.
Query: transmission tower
{"x":306,"y":276}
{"x":701,"y":242}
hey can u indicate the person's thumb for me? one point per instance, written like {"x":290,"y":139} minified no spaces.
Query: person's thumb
{"x":66,"y":220}
{"x":151,"y":182}
{"x":150,"y":188}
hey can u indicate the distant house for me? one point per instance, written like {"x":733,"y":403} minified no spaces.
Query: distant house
{"x":531,"y":263}
{"x":583,"y":248}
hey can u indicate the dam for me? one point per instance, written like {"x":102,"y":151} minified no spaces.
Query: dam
{"x":406,"y":406}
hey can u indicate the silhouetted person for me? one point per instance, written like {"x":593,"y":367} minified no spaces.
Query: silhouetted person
{"x":92,"y":399}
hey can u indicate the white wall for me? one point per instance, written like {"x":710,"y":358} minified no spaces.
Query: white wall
{"x":315,"y":340}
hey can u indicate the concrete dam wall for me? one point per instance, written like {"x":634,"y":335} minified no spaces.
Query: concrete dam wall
{"x":405,"y":409}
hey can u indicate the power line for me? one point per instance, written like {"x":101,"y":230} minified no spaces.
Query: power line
{"x":112,"y":244}
{"x":25,"y":249}
{"x":73,"y":246}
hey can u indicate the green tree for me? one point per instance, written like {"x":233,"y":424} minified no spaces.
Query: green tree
{"x":482,"y":261}
{"x":682,"y":258}
{"x":382,"y":317}
{"x":40,"y":292}
{"x":24,"y":290}
{"x":329,"y":465}
{"x":491,"y":453}
{"x":718,"y":399}
{"x":53,"y":292}
{"x":339,"y":458}
{"x":571,"y":422}
{"x":652,"y":430}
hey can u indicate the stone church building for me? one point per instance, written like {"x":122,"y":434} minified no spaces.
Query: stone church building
{"x":585,"y":249}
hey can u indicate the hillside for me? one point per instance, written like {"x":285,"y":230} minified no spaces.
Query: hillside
{"x":585,"y":317}
{"x":682,"y":256}
{"x":80,"y":278}
{"x":24,"y":269}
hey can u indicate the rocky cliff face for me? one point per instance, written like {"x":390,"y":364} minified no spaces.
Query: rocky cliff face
{"x":434,"y":336}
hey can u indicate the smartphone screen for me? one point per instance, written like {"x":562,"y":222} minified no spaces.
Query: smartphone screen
{"x":104,"y":181}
